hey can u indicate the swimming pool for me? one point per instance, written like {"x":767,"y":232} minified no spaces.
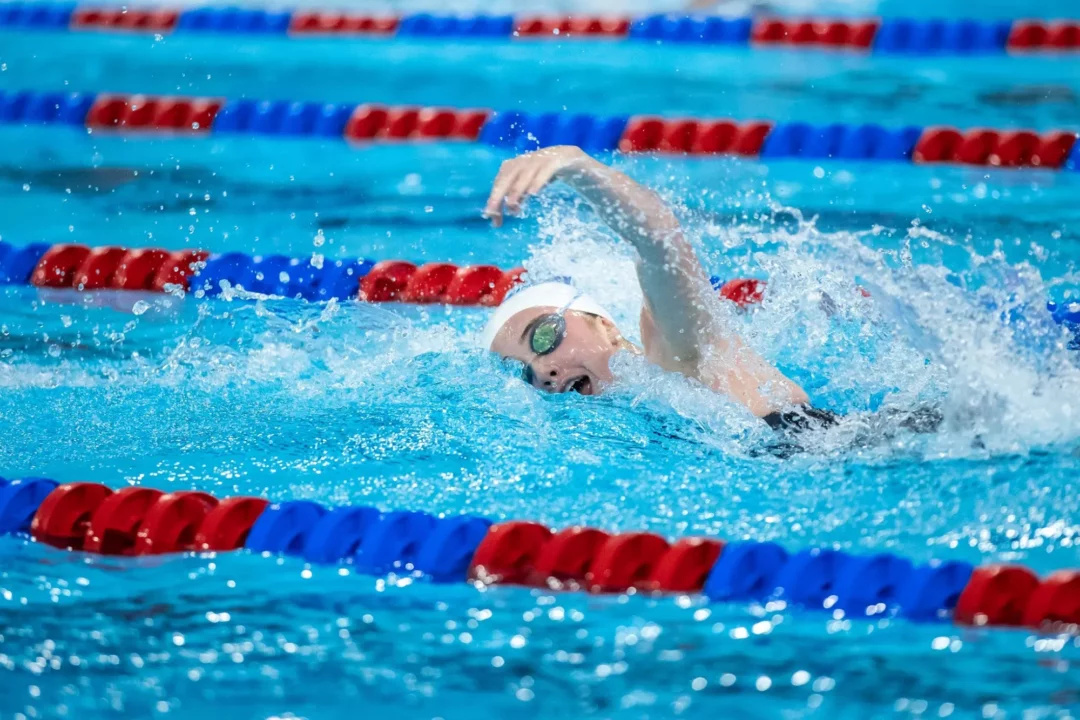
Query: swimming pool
{"x":392,"y":406}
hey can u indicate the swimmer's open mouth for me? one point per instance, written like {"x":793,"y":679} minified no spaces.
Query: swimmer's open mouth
{"x":582,"y":385}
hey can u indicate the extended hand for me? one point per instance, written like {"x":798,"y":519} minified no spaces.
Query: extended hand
{"x":527,"y":175}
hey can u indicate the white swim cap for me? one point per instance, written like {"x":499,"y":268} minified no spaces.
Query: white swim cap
{"x":554,"y":294}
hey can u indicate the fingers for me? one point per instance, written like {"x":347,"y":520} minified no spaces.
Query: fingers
{"x":499,"y":188}
{"x":518,"y":179}
{"x":542,"y":177}
{"x":522,"y":182}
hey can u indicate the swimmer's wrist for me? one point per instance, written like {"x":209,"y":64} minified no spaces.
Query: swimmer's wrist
{"x":576,"y":165}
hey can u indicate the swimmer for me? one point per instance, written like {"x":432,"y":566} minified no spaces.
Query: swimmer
{"x":565,"y":340}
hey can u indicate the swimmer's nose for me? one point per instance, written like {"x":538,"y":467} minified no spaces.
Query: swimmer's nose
{"x":546,"y":375}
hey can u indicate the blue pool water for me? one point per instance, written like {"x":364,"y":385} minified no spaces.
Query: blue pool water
{"x":394,"y":406}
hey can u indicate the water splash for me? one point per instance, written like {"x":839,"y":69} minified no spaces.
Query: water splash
{"x":868,"y":321}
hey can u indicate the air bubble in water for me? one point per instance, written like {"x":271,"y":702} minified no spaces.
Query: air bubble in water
{"x":140,"y":307}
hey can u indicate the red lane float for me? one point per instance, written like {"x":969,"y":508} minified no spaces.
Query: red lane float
{"x":981,"y":146}
{"x":137,"y":269}
{"x":332,"y":23}
{"x":99,"y":268}
{"x":1055,"y":600}
{"x":115,"y":524}
{"x":1039,"y":35}
{"x":172,"y":522}
{"x":476,"y":285}
{"x":151,"y":20}
{"x":579,"y":26}
{"x":996,"y":595}
{"x":226,"y":526}
{"x":58,"y":265}
{"x":564,"y":560}
{"x":508,"y":553}
{"x":114,"y":268}
{"x":744,"y":291}
{"x":64,"y":516}
{"x":713,"y":137}
{"x":177,"y":269}
{"x":822,"y":33}
{"x":142,"y":521}
{"x":427,"y":284}
{"x":380,"y":122}
{"x":400,"y":281}
{"x":625,"y":561}
{"x":506,"y":283}
{"x":386,"y":281}
{"x":685,"y":567}
{"x":153,"y":113}
{"x":524,"y":553}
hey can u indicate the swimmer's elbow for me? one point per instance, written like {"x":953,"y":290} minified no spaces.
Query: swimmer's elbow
{"x":664,"y":228}
{"x":649,"y":228}
{"x":660,"y":242}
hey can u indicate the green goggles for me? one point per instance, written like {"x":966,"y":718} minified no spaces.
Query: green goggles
{"x":546,"y":333}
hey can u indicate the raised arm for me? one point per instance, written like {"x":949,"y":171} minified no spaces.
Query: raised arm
{"x":671,"y":277}
{"x":676,"y":288}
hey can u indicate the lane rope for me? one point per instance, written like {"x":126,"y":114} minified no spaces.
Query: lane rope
{"x":82,"y":269}
{"x":519,"y":131}
{"x":133,"y":521}
{"x":903,"y":36}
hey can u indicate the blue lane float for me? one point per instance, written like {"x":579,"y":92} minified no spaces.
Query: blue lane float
{"x":19,"y":500}
{"x":281,"y":276}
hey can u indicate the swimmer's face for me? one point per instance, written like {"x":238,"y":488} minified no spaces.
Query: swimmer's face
{"x":581,"y":361}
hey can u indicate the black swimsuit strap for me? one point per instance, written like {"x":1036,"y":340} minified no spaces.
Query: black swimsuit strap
{"x":802,"y":419}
